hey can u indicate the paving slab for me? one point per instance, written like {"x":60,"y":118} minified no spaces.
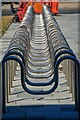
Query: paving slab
{"x":69,"y":27}
{"x":39,"y":106}
{"x":6,"y":38}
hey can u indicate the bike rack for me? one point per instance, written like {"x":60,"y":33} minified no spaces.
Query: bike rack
{"x":42,"y":46}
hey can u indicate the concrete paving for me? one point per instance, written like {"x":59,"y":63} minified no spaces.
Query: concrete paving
{"x":69,"y":26}
{"x":56,"y":105}
{"x":6,"y":38}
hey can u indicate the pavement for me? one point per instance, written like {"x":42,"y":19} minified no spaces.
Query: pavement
{"x":57,"y":105}
{"x":69,"y":7}
{"x":69,"y":25}
{"x":6,"y":9}
{"x":6,"y":38}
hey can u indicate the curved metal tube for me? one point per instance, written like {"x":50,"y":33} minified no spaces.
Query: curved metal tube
{"x":77,"y":82}
{"x":23,"y":77}
{"x":63,"y":52}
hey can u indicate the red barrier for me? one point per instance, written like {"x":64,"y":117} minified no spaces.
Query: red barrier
{"x":21,"y":10}
{"x":37,"y":7}
{"x":54,"y":6}
{"x":20,"y":16}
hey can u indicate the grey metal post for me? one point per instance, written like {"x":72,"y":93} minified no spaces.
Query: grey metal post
{"x":70,"y":76}
{"x":6,"y":90}
{"x":0,"y":92}
{"x":9,"y":68}
{"x":73,"y":80}
{"x":66,"y":71}
{"x":7,"y":84}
